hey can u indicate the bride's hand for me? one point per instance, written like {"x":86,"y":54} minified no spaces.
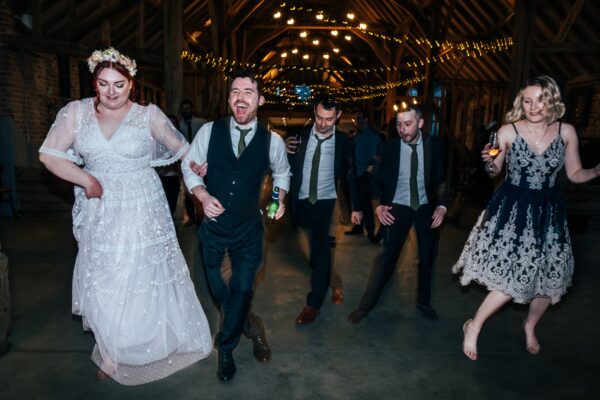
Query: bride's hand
{"x":93,"y":189}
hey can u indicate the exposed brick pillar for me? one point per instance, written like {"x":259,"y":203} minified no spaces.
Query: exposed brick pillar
{"x":7,"y":22}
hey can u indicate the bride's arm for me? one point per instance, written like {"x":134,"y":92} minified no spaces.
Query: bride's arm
{"x":68,"y":171}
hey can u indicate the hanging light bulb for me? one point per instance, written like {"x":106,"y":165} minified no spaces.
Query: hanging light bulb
{"x":305,"y":56}
{"x":334,"y":33}
{"x":350,"y":16}
{"x":290,"y":21}
{"x":348,"y":37}
{"x":315,"y":42}
{"x":326,"y":56}
{"x":320,"y":16}
{"x":294,"y":51}
{"x":336,"y":50}
{"x":284,"y":54}
{"x":362,"y":26}
{"x":395,"y":107}
{"x":277,"y":15}
{"x":303,"y":34}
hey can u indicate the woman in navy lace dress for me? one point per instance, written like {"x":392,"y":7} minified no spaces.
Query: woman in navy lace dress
{"x":520,"y":247}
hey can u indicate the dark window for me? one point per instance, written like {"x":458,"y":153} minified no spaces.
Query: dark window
{"x":64,"y":76}
{"x":86,"y":88}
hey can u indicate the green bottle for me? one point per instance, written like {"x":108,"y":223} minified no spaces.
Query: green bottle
{"x":273,"y":205}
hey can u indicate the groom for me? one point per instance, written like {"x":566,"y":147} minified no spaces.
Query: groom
{"x":239,"y":152}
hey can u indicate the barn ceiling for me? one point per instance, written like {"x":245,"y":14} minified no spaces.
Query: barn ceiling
{"x":401,"y":42}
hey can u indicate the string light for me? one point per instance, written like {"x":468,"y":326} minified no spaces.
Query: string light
{"x":350,"y":16}
{"x":334,"y":32}
{"x":303,"y":34}
{"x":277,"y":15}
{"x":290,"y":21}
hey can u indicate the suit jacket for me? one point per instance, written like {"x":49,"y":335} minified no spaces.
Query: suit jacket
{"x":343,"y":167}
{"x":434,"y":163}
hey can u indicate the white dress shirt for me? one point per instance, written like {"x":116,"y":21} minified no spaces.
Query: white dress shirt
{"x":326,"y":177}
{"x":402,"y":195}
{"x":277,"y":154}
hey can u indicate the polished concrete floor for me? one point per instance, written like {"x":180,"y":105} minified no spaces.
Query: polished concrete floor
{"x":394,"y":353}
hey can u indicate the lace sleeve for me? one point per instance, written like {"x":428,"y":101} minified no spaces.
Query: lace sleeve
{"x":61,"y":136}
{"x":170,"y":143}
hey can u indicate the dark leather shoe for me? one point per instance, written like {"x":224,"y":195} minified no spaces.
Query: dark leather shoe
{"x":337,"y":295}
{"x":226,"y":366}
{"x":427,"y":311}
{"x":356,"y":230}
{"x":307,"y":315}
{"x":356,"y":316}
{"x":260,"y":348}
{"x":375,"y":239}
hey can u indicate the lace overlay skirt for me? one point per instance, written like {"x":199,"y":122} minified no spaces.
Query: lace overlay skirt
{"x":520,"y":245}
{"x":131,"y":283}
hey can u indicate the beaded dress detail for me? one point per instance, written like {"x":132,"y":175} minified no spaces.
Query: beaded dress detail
{"x":131,"y":284}
{"x":520,"y":244}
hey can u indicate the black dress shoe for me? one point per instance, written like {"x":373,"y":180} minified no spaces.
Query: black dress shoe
{"x":356,"y":230}
{"x":260,"y":348}
{"x":226,"y":366}
{"x":427,"y":311}
{"x":375,"y":238}
{"x":356,"y":316}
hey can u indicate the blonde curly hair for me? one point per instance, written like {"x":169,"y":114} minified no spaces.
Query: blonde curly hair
{"x":551,"y":98}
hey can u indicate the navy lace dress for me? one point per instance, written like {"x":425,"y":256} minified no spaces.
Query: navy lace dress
{"x":520,"y":244}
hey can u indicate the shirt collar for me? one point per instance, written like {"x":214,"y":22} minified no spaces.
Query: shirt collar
{"x":251,"y":125}
{"x":314,"y":132}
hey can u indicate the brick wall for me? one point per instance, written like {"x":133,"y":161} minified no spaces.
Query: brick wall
{"x":29,"y":92}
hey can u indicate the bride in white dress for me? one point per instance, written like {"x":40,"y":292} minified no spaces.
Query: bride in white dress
{"x":131,"y":284}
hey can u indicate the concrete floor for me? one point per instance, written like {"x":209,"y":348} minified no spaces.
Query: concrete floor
{"x":394,"y":353}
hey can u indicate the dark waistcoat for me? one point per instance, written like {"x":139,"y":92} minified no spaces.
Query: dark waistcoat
{"x":236,"y":183}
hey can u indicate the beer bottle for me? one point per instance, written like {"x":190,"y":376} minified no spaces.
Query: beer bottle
{"x":273,"y":205}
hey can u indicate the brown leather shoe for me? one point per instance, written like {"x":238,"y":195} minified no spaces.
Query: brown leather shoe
{"x":337,"y":295}
{"x":307,"y":315}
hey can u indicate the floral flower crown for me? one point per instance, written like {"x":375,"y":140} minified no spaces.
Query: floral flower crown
{"x":113,"y":55}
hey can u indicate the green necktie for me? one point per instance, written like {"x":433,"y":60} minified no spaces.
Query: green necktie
{"x":314,"y":171}
{"x":242,"y":142}
{"x":414,"y":188}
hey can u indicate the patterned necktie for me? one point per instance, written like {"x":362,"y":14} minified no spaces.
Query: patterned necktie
{"x":414,"y":188}
{"x":314,"y":171}
{"x":242,"y":142}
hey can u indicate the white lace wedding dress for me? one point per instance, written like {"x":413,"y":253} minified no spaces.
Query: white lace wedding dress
{"x":131,"y":283}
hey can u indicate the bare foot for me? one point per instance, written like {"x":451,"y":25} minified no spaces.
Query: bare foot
{"x":470,"y":340}
{"x":532,"y":344}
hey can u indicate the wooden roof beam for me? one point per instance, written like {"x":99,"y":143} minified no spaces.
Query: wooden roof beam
{"x":567,"y":24}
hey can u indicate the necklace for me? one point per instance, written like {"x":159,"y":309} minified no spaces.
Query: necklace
{"x":538,"y":143}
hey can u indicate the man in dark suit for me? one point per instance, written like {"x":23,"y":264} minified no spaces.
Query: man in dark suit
{"x":413,"y":193}
{"x":318,"y":162}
